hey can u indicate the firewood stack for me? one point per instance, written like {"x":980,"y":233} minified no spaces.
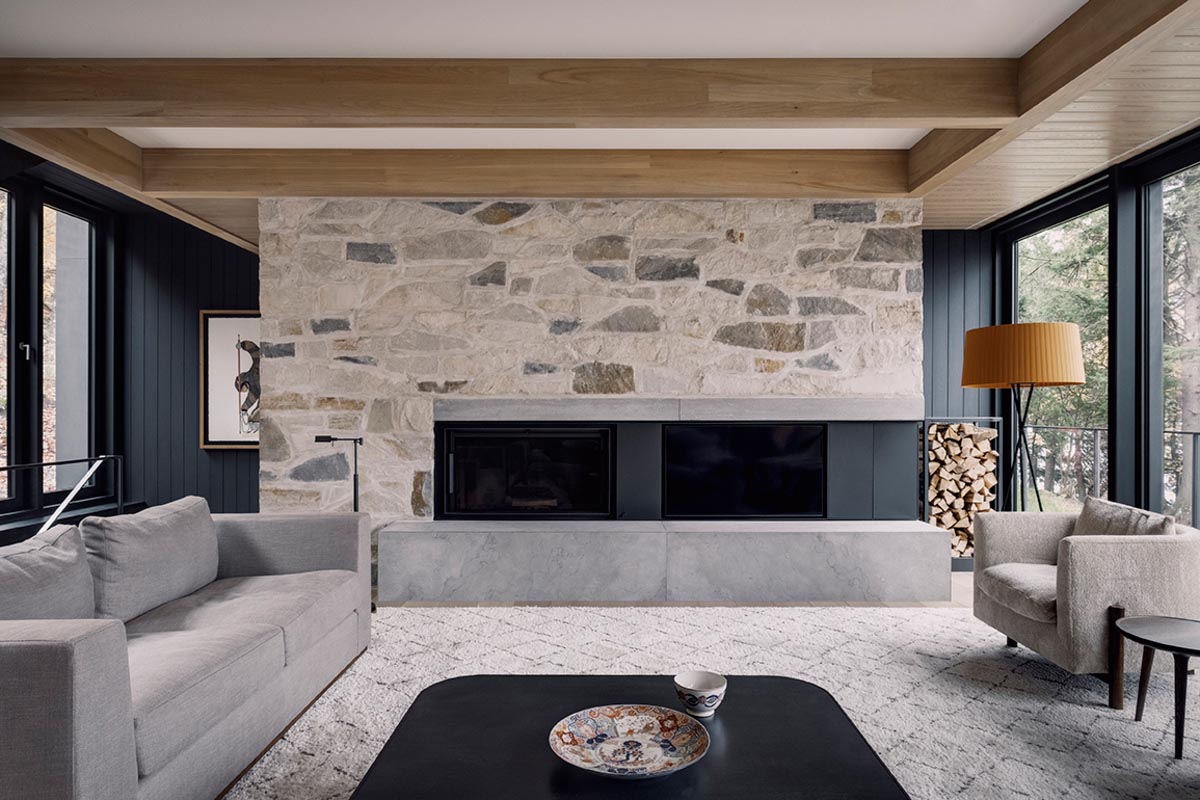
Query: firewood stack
{"x":962,"y":479}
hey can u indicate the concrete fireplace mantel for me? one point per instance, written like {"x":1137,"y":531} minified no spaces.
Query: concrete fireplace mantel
{"x":674,"y":409}
{"x":645,"y":561}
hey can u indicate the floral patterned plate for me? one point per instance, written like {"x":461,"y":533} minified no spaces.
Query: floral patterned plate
{"x":629,"y":741}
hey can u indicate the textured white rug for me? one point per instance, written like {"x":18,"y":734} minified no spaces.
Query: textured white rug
{"x":951,"y":710}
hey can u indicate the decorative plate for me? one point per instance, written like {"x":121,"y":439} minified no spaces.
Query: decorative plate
{"x":629,"y":741}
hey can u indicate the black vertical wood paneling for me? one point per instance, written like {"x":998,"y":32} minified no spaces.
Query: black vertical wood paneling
{"x":959,"y":290}
{"x":171,"y":272}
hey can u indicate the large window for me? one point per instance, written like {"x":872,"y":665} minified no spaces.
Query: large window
{"x":1062,"y":276}
{"x":53,"y":253}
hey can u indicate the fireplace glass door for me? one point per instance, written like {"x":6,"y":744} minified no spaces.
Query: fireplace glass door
{"x":527,"y":472}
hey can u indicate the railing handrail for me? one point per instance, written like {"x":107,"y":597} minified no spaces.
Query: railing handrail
{"x":1090,"y":428}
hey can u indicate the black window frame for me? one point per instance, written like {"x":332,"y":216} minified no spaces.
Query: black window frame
{"x":27,"y":500}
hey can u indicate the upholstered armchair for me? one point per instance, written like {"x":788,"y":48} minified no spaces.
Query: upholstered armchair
{"x":1059,"y":594}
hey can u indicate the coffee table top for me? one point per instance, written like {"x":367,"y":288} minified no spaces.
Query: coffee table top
{"x":1172,"y":634}
{"x":488,"y":736}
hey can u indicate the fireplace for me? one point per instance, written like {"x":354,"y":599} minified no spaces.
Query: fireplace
{"x":629,"y":470}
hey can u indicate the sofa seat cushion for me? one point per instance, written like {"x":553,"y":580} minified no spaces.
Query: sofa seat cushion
{"x":305,"y":605}
{"x":1030,"y":590}
{"x":185,"y":682}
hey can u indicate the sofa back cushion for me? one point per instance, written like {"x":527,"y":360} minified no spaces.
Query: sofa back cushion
{"x":140,"y":561}
{"x":1106,"y":518}
{"x":46,"y":577}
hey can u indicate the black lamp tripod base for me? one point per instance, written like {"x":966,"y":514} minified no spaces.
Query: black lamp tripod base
{"x":1020,"y":449}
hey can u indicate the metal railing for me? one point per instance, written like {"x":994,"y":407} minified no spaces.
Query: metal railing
{"x":94,"y":463}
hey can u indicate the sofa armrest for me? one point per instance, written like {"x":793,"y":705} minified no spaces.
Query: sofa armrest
{"x":1142,"y":574}
{"x":1005,"y":537}
{"x":275,"y":544}
{"x":67,"y":721}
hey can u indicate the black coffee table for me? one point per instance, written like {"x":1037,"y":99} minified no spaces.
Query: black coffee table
{"x":1180,"y":638}
{"x":487,"y":736}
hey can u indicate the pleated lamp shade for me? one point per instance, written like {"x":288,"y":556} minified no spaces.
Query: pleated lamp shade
{"x":1030,"y":353}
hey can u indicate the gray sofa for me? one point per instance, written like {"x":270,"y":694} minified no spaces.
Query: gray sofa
{"x":156,"y":655}
{"x":1045,"y":584}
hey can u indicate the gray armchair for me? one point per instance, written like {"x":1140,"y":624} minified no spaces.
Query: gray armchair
{"x":1058,"y":594}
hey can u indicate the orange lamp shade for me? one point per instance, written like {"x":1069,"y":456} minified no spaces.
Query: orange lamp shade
{"x":1029,"y":353}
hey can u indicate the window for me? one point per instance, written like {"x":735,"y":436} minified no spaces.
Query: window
{"x":54,"y":300}
{"x":1062,"y":276}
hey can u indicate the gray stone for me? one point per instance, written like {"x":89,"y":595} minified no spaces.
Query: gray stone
{"x":502,"y":212}
{"x":821,"y":361}
{"x":322,"y":468}
{"x":890,"y":245}
{"x":598,"y":378}
{"x":617,"y":274}
{"x":727,"y":285}
{"x":781,"y":337}
{"x":602,"y":248}
{"x":765,"y":300}
{"x":884,"y":280}
{"x":845,"y":212}
{"x":631,"y":319}
{"x":520,"y":286}
{"x":329,"y":325}
{"x":819,"y":334}
{"x":445,"y":387}
{"x":494,"y":274}
{"x":450,"y":245}
{"x":380,"y":417}
{"x":539,"y":368}
{"x":667,"y":268}
{"x":371,"y":252}
{"x":459,"y":207}
{"x":560,"y":326}
{"x":816,"y":256}
{"x":914,"y":281}
{"x":272,"y":443}
{"x":422,"y":494}
{"x":827,"y":306}
{"x":366,"y":361}
{"x":281,"y":350}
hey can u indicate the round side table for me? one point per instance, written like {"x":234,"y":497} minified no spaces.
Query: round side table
{"x":1180,"y":638}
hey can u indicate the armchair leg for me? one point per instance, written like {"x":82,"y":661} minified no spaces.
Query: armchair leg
{"x":1011,"y":642}
{"x":1116,"y":660}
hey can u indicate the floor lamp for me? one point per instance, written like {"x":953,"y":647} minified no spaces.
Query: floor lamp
{"x":1020,"y":358}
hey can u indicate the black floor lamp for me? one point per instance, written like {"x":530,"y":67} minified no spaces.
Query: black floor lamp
{"x":1021,"y":357}
{"x":327,"y":439}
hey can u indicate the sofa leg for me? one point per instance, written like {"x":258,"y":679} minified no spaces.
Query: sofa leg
{"x":1011,"y":642}
{"x":1116,"y":660}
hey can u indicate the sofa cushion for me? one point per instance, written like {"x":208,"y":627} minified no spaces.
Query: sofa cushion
{"x":140,"y":561}
{"x":305,"y":605}
{"x":1030,"y":590}
{"x":185,"y":682}
{"x":1106,"y":518}
{"x":46,"y":577}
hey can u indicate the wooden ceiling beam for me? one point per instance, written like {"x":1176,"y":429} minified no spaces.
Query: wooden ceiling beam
{"x":525,"y":173}
{"x":719,"y":93}
{"x":1074,"y":58}
{"x":110,"y":160}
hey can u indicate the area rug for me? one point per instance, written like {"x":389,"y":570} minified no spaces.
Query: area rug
{"x":951,"y":710}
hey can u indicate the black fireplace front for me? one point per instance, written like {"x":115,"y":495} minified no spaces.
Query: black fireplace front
{"x":525,"y":471}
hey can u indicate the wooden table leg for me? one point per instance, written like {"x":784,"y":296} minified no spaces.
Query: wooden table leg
{"x":1116,"y":660}
{"x":1181,"y":682}
{"x":1144,"y":681}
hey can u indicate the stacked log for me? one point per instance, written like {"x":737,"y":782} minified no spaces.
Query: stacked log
{"x":962,"y":479}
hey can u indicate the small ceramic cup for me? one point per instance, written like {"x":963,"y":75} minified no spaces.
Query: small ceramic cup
{"x":700,"y":692}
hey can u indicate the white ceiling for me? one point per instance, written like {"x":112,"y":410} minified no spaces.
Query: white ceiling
{"x":526,"y":28}
{"x":534,"y":138}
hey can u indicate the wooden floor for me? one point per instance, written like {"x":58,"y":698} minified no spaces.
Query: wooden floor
{"x":961,"y":587}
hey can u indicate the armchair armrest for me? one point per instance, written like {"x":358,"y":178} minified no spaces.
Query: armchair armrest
{"x":1005,"y":537}
{"x":1142,"y":574}
{"x":275,"y":544}
{"x":67,"y":724}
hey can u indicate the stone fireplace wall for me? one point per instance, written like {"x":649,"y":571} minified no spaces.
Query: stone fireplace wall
{"x":374,"y":307}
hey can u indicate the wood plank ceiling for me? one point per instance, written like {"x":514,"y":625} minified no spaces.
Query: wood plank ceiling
{"x":1115,"y":78}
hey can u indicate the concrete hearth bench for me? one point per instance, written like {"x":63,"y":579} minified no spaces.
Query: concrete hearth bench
{"x":640,"y":561}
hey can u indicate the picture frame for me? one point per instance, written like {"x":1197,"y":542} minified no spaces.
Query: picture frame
{"x":229,"y":379}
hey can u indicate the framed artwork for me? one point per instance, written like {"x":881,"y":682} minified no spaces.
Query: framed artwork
{"x":229,"y":380}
